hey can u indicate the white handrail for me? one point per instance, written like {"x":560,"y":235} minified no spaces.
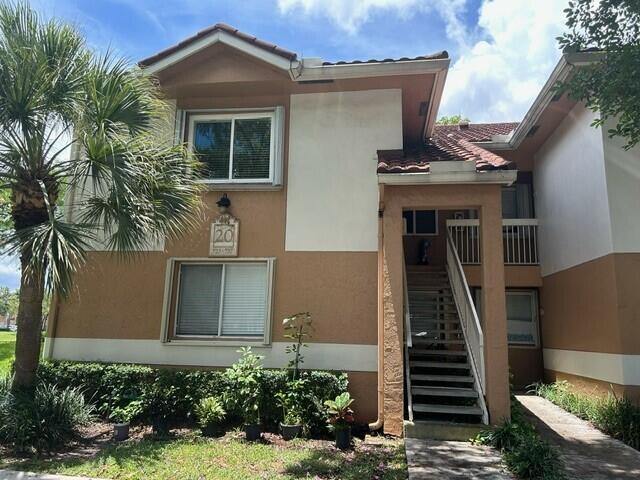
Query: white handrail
{"x":407,"y":342}
{"x":407,"y":312}
{"x":472,"y":330}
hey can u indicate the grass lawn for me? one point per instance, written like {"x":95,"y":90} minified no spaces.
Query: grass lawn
{"x":194,"y":457}
{"x":7,"y":347}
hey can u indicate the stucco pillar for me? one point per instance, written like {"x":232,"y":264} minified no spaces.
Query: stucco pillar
{"x":494,"y":309}
{"x":393,"y":331}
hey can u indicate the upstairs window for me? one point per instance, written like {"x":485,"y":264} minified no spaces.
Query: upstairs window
{"x":237,"y":147}
{"x":420,"y":222}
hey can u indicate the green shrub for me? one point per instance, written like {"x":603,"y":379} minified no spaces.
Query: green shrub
{"x":525,"y":454}
{"x":534,"y":458}
{"x":210,"y":411}
{"x":613,"y":415}
{"x":109,"y":386}
{"x":506,"y":437}
{"x":44,"y":422}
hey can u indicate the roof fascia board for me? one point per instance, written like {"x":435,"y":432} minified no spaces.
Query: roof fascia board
{"x":227,"y":39}
{"x":559,"y":73}
{"x":501,"y":177}
{"x":434,"y":102}
{"x":363,"y":70}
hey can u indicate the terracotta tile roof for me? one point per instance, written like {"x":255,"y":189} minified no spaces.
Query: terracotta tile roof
{"x":222,"y":27}
{"x":434,"y":56}
{"x":444,"y":145}
{"x":478,"y":132}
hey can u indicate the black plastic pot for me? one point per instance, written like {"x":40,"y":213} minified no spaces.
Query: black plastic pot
{"x":343,"y":438}
{"x":211,"y":430}
{"x":289,"y":432}
{"x":252,"y":432}
{"x":160,"y":426}
{"x":120,"y":431}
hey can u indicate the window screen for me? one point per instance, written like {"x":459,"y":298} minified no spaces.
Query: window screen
{"x":252,"y":148}
{"x":199,"y":299}
{"x":212,"y":142}
{"x":233,"y":148}
{"x":245,"y":300}
{"x":235,"y":294}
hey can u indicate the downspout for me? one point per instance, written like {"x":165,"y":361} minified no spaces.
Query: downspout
{"x":377,"y":425}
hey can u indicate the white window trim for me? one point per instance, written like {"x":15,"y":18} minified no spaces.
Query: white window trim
{"x":414,"y":223}
{"x":204,"y":117}
{"x":534,"y":315}
{"x":210,"y":340}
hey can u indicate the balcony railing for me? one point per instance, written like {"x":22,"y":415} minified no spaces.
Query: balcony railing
{"x":519,"y":238}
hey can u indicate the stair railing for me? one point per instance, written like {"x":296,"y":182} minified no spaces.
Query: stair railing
{"x":471,"y":328}
{"x":407,"y":342}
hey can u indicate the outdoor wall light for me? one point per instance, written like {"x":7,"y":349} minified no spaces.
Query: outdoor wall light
{"x":224,"y":203}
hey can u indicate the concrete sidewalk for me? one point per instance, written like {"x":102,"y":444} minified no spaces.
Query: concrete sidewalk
{"x":445,"y":460}
{"x":587,"y":453}
{"x":13,"y":475}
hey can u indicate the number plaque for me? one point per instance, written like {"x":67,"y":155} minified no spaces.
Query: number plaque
{"x":224,"y":236}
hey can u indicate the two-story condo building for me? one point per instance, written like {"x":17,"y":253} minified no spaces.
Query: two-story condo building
{"x":433,"y":259}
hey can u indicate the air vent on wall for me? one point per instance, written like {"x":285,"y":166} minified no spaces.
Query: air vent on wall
{"x":532,"y":131}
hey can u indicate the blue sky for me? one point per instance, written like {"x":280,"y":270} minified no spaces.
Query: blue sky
{"x":502,"y":50}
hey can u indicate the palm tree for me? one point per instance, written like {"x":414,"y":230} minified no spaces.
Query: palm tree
{"x":130,"y":188}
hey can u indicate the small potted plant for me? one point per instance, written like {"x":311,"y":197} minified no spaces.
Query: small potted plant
{"x":290,"y":401}
{"x":122,"y":416}
{"x":210,"y":413}
{"x":341,"y":419}
{"x":160,"y":401}
{"x":246,"y":378}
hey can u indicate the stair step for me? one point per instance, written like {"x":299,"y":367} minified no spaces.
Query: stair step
{"x":446,"y":353}
{"x":417,"y":340}
{"x":436,"y":331}
{"x":425,"y":364}
{"x":442,"y":378}
{"x":454,"y":409}
{"x":444,"y":392}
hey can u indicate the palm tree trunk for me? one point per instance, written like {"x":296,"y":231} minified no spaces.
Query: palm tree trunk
{"x":29,"y":321}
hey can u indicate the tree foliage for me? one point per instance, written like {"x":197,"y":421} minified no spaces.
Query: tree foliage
{"x":609,"y":86}
{"x":452,"y":120}
{"x":8,"y":302}
{"x":129,"y":185}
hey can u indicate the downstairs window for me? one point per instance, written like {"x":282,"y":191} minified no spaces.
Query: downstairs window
{"x":223,"y":300}
{"x":522,"y":316}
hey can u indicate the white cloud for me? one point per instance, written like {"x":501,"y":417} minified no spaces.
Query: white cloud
{"x":497,"y":78}
{"x":498,"y":66}
{"x":350,"y":15}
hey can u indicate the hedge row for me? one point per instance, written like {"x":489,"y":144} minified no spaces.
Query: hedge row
{"x":108,"y":386}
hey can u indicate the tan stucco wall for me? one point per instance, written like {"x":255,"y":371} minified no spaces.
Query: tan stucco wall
{"x":486,"y":198}
{"x":114,"y":299}
{"x":592,"y":386}
{"x":594,"y":306}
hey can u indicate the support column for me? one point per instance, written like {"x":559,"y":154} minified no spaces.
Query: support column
{"x":494,"y":309}
{"x":393,"y":331}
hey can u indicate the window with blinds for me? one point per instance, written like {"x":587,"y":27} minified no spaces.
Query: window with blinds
{"x":234,"y":147}
{"x":222,"y":300}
